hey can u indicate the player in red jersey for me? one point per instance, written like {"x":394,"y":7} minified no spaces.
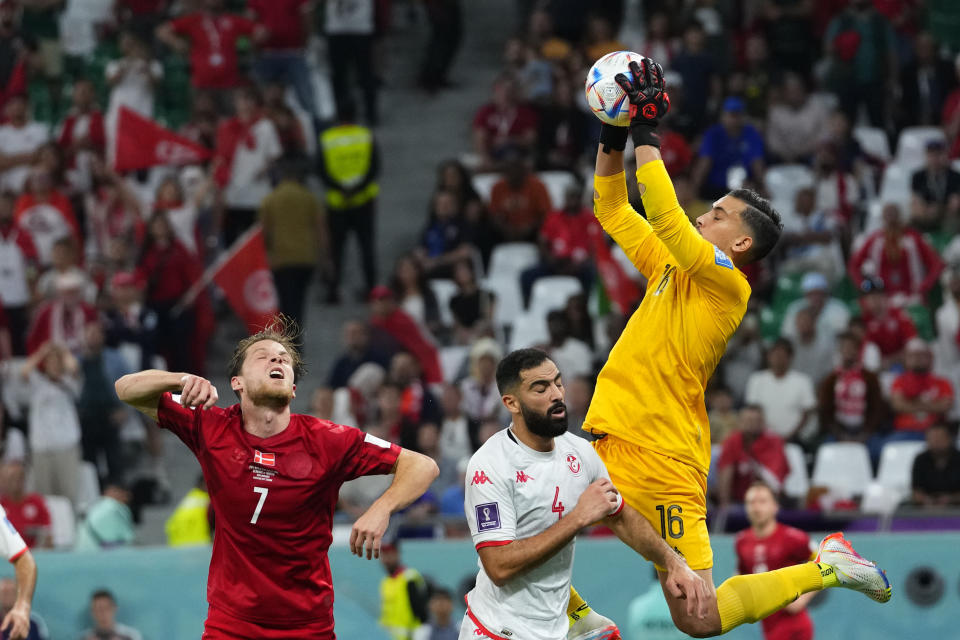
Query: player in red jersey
{"x":274,"y":478}
{"x":769,"y":545}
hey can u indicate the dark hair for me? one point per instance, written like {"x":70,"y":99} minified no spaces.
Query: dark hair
{"x":847,"y":335}
{"x":442,"y":592}
{"x":103,"y":593}
{"x":760,"y":484}
{"x":515,"y":362}
{"x":782,"y":343}
{"x":763,"y":220}
{"x":280,"y":329}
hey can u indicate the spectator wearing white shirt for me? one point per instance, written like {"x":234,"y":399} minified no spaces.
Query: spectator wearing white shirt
{"x":811,"y":239}
{"x":947,"y":360}
{"x":133,"y":79}
{"x":457,"y":432}
{"x":794,"y":122}
{"x":20,"y":139}
{"x":838,"y":192}
{"x":830,"y":315}
{"x":572,"y":356}
{"x":481,"y":399}
{"x":786,"y":396}
{"x":813,"y":350}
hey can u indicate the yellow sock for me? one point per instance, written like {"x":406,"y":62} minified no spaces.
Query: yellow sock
{"x":753,"y":597}
{"x":577,"y":607}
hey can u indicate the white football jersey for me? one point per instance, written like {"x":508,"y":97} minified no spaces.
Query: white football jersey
{"x":514,"y":492}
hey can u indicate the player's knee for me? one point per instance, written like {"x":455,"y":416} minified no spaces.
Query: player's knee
{"x":696,"y":627}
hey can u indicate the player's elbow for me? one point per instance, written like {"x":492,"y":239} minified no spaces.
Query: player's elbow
{"x":498,"y":575}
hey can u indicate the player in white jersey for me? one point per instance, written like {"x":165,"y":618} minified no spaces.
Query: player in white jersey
{"x":530,"y":489}
{"x":17,"y":621}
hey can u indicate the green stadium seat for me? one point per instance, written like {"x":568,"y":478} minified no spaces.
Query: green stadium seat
{"x":787,"y":290}
{"x":922,"y":319}
{"x":770,"y":321}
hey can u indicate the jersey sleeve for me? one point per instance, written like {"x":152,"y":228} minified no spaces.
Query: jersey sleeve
{"x":11,"y":544}
{"x":625,"y":225}
{"x":364,"y":454}
{"x":183,"y":422}
{"x":708,"y":266}
{"x":488,"y":504}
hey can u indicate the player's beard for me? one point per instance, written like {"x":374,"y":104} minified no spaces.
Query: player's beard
{"x":545,"y":425}
{"x":270,"y":395}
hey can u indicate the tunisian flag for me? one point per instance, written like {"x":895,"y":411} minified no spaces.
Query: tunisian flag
{"x":620,"y":289}
{"x":245,"y":278}
{"x":142,"y":143}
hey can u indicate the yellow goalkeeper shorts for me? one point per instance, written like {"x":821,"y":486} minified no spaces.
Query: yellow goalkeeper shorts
{"x":670,"y":494}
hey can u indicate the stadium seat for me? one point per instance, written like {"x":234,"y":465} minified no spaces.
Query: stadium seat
{"x":797,"y":483}
{"x":787,"y":290}
{"x":483,"y":185}
{"x":783,"y":181}
{"x":552,"y":293}
{"x":921,"y":319}
{"x":451,"y":360}
{"x":842,"y":467}
{"x":443,"y":291}
{"x":510,"y":258}
{"x":88,"y":486}
{"x":557,"y":183}
{"x":874,"y":142}
{"x":509,"y":298}
{"x":878,"y":500}
{"x":912,"y":144}
{"x":529,"y":330}
{"x":63,"y":524}
{"x":895,"y":186}
{"x":896,"y":465}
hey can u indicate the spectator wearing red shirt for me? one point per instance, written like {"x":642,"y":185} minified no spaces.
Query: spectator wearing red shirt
{"x":63,"y":320}
{"x":281,"y":57}
{"x":27,"y":512}
{"x":850,"y":401}
{"x":210,"y":36}
{"x":768,"y":545}
{"x":82,"y":134}
{"x":18,"y":260}
{"x":565,"y":239}
{"x":518,"y":202}
{"x":886,"y":326}
{"x":169,"y":270}
{"x":918,"y":397}
{"x":405,"y":332}
{"x":753,"y":453}
{"x":899,"y":256}
{"x":503,"y":125}
{"x":46,"y":213}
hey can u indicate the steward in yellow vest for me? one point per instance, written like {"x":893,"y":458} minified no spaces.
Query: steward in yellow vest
{"x":403,"y":596}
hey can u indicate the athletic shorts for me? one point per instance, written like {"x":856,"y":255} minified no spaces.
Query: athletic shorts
{"x":221,"y":625}
{"x":670,"y":494}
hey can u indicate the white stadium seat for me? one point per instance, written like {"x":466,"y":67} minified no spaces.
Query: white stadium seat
{"x":557,"y":183}
{"x":552,"y":293}
{"x":896,"y":465}
{"x":511,"y":258}
{"x":509,"y":298}
{"x":843,"y":467}
{"x":912,"y":144}
{"x":443,"y":291}
{"x":783,"y":181}
{"x":88,"y":486}
{"x":63,"y":524}
{"x":451,"y":361}
{"x":483,"y":184}
{"x":529,"y":330}
{"x":797,"y":483}
{"x":895,"y":186}
{"x":873,"y":140}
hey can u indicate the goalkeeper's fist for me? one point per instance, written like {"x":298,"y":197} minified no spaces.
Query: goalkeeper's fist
{"x":648,"y":100}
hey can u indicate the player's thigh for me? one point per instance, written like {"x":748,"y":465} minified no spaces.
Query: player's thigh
{"x":690,"y":623}
{"x":671,"y":495}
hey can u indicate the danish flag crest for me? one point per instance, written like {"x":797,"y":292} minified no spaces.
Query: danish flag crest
{"x":266,"y":459}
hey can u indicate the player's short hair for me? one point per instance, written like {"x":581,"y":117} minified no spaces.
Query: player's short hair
{"x":103,"y":593}
{"x":280,"y":329}
{"x":515,"y":362}
{"x":441,"y":592}
{"x":760,"y":484}
{"x":762,"y":219}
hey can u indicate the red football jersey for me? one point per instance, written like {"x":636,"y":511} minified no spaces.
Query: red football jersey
{"x":29,"y":517}
{"x":213,"y":47}
{"x":274,"y":500}
{"x":785,"y":547}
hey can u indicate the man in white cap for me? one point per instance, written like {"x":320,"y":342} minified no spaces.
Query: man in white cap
{"x":830,"y":315}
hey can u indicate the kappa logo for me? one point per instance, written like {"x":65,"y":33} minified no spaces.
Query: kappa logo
{"x":523,"y":477}
{"x":266,"y":459}
{"x":479,"y":477}
{"x":573,"y":463}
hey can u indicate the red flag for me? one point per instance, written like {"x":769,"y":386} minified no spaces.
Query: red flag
{"x":244,"y":275}
{"x":266,"y":459}
{"x":621,"y":290}
{"x":142,"y":143}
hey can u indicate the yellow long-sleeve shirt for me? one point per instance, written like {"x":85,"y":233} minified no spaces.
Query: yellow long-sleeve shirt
{"x":650,"y":391}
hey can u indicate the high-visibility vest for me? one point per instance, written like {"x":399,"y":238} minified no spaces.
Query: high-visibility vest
{"x":397,"y":616}
{"x":347,"y":152}
{"x":188,"y":524}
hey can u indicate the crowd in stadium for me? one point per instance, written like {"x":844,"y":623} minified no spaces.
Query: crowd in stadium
{"x":847,"y":117}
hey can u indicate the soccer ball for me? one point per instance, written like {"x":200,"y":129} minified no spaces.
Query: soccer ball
{"x":605,"y":97}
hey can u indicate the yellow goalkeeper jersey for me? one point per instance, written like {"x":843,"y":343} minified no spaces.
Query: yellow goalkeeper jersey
{"x":650,"y":391}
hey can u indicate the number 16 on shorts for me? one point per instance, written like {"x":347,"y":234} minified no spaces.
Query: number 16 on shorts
{"x":671,"y":524}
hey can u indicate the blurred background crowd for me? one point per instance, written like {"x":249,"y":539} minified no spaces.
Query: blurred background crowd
{"x":840,"y":388}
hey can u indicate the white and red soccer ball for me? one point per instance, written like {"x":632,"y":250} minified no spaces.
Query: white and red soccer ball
{"x":605,"y":97}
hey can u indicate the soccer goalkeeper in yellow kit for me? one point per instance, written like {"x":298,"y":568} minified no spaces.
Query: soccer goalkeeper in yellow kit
{"x":648,"y":408}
